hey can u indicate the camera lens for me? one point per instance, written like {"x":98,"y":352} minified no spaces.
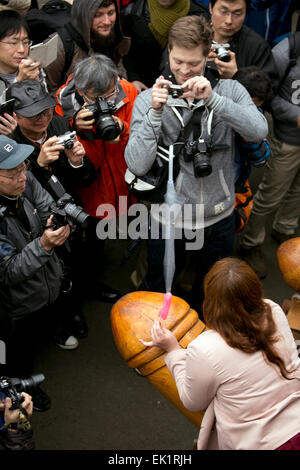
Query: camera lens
{"x":25,"y":384}
{"x":202,"y":166}
{"x":76,"y":213}
{"x":69,"y":144}
{"x":107,"y":127}
{"x":223,"y":54}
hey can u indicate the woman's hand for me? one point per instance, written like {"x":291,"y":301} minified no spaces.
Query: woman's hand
{"x":162,"y":338}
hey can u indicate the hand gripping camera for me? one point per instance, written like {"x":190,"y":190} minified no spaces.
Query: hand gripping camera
{"x":175,"y":90}
{"x":222,"y":51}
{"x":64,"y":210}
{"x":67,"y":140}
{"x":102,"y":111}
{"x":199,"y":153}
{"x":13,"y":387}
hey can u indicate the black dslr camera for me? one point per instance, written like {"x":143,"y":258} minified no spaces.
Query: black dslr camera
{"x":102,"y":113}
{"x":67,"y":140}
{"x":222,"y":51}
{"x":64,"y":210}
{"x":13,"y":387}
{"x":199,"y":153}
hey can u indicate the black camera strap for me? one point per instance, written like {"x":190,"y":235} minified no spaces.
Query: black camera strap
{"x":199,"y":127}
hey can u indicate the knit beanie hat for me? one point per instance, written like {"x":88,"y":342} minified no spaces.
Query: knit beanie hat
{"x":161,"y":19}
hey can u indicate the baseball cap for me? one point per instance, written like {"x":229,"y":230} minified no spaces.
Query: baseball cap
{"x":31,"y":98}
{"x":12,"y":153}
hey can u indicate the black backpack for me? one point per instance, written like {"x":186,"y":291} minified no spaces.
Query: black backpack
{"x":45,"y":21}
{"x":294,"y":48}
{"x":53,"y":17}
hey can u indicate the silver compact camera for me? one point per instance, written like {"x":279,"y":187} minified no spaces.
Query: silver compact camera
{"x":175,"y":90}
{"x":222,"y":51}
{"x":67,"y":140}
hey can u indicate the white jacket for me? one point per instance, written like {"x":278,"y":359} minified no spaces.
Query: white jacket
{"x":249,"y":405}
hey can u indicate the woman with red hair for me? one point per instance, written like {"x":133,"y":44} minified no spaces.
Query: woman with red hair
{"x":244,"y":369}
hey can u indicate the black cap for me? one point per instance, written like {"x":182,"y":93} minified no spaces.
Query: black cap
{"x":31,"y":98}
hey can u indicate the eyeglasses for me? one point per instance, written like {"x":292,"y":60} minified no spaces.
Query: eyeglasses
{"x":47,"y":113}
{"x":25,"y":43}
{"x":15,"y":176}
{"x":226,"y":13}
{"x":113,"y":94}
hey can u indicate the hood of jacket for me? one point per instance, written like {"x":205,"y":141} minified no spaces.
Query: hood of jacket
{"x":82,"y":14}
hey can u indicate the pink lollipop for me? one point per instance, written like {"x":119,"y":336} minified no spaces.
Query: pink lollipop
{"x":163,"y":313}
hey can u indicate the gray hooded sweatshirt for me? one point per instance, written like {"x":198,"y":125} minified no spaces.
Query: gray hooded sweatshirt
{"x":231,"y":109}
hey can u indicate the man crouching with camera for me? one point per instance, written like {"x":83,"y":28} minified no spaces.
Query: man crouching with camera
{"x":30,"y":271}
{"x":200,"y":124}
{"x":15,"y":429}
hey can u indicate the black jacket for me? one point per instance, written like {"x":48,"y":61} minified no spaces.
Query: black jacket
{"x":250,"y":49}
{"x":71,"y":178}
{"x":143,"y":61}
{"x":29,"y":275}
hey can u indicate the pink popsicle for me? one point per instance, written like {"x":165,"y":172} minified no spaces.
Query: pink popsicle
{"x":163,"y":313}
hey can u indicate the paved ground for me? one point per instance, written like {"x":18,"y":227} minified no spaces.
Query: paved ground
{"x":98,"y":402}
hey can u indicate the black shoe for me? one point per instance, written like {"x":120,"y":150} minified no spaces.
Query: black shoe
{"x":105,"y":293}
{"x":78,"y":326}
{"x":41,"y":401}
{"x":255,"y":259}
{"x":281,"y":237}
{"x":64,"y":339}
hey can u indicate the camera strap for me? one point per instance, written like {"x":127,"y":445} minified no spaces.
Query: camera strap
{"x":199,"y":127}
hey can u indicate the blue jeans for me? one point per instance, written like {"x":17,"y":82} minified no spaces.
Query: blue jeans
{"x":218,"y":244}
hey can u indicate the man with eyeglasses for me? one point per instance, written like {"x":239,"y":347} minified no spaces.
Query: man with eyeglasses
{"x":15,"y":64}
{"x":38,"y":126}
{"x":30,"y":272}
{"x":95,"y":80}
{"x":246,"y":46}
{"x":97,"y":77}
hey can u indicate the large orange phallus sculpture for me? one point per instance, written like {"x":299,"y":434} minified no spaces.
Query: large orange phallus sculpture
{"x":132,"y":318}
{"x":288,"y":257}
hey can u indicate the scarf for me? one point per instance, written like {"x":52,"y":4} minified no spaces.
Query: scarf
{"x":161,"y":19}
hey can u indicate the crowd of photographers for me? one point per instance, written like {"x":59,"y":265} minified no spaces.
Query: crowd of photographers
{"x":138,"y":77}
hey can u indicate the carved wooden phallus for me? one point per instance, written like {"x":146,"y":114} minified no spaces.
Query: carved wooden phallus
{"x":132,"y":318}
{"x":288,"y":257}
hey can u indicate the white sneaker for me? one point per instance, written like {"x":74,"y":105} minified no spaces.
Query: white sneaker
{"x":66,"y":342}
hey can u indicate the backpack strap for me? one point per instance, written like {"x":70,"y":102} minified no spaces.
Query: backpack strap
{"x":294,"y":52}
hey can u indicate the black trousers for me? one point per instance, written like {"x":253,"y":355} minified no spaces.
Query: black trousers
{"x":21,"y":336}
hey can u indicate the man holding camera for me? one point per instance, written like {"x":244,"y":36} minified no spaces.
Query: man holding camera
{"x":99,"y":106}
{"x":15,"y":429}
{"x":205,"y":120}
{"x":244,"y":46}
{"x":30,"y":271}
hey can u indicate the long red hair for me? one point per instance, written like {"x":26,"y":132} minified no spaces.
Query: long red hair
{"x":234,"y":307}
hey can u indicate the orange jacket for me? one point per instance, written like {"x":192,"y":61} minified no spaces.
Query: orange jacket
{"x":107,"y":157}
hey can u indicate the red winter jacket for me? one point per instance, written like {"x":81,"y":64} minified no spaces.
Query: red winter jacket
{"x":108,"y":158}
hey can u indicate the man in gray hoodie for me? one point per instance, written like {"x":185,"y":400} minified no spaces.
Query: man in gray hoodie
{"x":200,"y":120}
{"x":94,"y":27}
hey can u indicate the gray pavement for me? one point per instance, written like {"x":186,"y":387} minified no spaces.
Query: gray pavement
{"x":98,"y":403}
